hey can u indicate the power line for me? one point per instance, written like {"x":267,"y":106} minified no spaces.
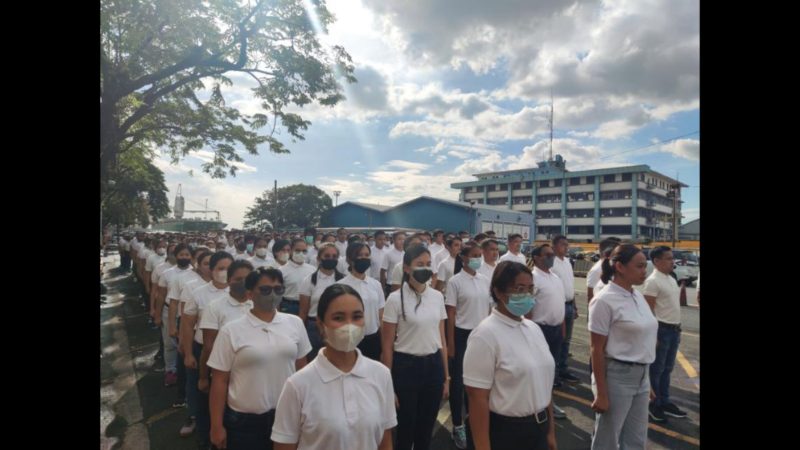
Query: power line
{"x":650,"y":145}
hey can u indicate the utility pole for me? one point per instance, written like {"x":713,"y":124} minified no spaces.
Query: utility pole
{"x":275,"y":206}
{"x":673,"y":193}
{"x":336,"y":194}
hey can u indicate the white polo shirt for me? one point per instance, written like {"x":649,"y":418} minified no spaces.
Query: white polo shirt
{"x":144,"y":253}
{"x":519,"y":257}
{"x":376,"y":256}
{"x":374,"y":300}
{"x":667,"y":293}
{"x":549,"y":293}
{"x":593,"y":276}
{"x":231,"y":249}
{"x":417,"y":334}
{"x":435,"y":248}
{"x":238,"y":256}
{"x":438,"y":257}
{"x":311,"y":256}
{"x":487,"y":270}
{"x":200,"y":299}
{"x":189,"y":287}
{"x":308,"y":289}
{"x":261,"y":262}
{"x":159,"y":271}
{"x":512,"y":359}
{"x":342,"y":265}
{"x":153,"y":261}
{"x":628,"y":322}
{"x":323,"y":408}
{"x":391,"y":258}
{"x":445,"y":269}
{"x":563,"y":269}
{"x":223,"y":310}
{"x":293,"y":275}
{"x":260,"y":357}
{"x":169,"y":280}
{"x":470,"y":296}
{"x":342,"y":246}
{"x":177,"y":283}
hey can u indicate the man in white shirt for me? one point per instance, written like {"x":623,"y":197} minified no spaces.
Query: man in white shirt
{"x":514,"y":254}
{"x":392,"y":256}
{"x":438,"y":242}
{"x":490,"y":255}
{"x":663,"y":295}
{"x":377,"y":253}
{"x":548,"y":312}
{"x":341,"y":241}
{"x":563,"y":268}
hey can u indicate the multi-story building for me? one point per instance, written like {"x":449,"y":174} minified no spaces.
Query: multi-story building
{"x":632,"y":202}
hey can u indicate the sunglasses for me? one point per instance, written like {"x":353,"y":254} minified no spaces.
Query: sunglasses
{"x":267,"y":290}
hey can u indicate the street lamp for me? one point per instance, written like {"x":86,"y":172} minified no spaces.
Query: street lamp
{"x":336,"y":194}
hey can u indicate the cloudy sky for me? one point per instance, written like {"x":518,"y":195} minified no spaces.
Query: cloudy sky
{"x":451,"y":88}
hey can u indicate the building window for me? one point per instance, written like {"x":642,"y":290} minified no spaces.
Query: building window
{"x":575,"y":181}
{"x":589,"y":180}
{"x":517,"y":186}
{"x":544,"y":183}
{"x":479,"y":189}
{"x":529,"y":185}
{"x":555,"y":198}
{"x":615,"y":229}
{"x":490,"y":188}
{"x":608,"y":178}
{"x":548,"y":214}
{"x":557,"y":183}
{"x":581,"y":229}
{"x":504,"y":187}
{"x":627,"y":177}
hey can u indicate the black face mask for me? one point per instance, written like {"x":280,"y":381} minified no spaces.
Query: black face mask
{"x":184,"y":262}
{"x":362,"y":265}
{"x":329,"y":264}
{"x":422,"y":275}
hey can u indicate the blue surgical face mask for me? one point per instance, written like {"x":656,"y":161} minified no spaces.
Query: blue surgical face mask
{"x":520,"y":304}
{"x":250,"y":248}
{"x":474,"y":263}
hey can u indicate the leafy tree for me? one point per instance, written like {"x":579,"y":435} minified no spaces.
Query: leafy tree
{"x":298,"y":206}
{"x":136,"y":193}
{"x":163,"y":64}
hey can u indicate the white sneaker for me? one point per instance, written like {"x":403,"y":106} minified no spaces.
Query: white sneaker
{"x":188,"y":428}
{"x":459,"y":436}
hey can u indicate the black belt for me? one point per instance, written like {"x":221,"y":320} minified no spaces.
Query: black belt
{"x":628,"y":363}
{"x":540,"y":417}
{"x":571,"y":301}
{"x":670,"y":325}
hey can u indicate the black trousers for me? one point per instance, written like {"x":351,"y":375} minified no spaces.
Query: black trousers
{"x":248,"y":431}
{"x":514,"y":433}
{"x":418,"y":383}
{"x":457,"y":398}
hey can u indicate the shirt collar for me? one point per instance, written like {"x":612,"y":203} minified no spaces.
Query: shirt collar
{"x":505,"y":319}
{"x":328,"y":372}
{"x":256,"y":322}
{"x":617,"y":289}
{"x":542,"y":272}
{"x":233,"y":302}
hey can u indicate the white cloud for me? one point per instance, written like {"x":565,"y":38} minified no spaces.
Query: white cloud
{"x":408,"y":165}
{"x":208,"y":156}
{"x":683,"y":148}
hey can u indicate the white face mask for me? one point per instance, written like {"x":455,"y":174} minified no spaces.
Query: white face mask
{"x":299,"y":257}
{"x":221,"y":277}
{"x":282,"y":257}
{"x":261,"y":252}
{"x":161,"y":251}
{"x":344,"y":338}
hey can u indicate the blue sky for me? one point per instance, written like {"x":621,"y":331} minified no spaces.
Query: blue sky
{"x":450,"y":88}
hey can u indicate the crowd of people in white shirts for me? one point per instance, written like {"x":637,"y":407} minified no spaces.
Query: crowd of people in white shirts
{"x":330,"y":341}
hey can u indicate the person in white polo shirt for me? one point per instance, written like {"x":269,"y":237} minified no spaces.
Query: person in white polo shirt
{"x":341,"y":400}
{"x":311,"y":289}
{"x":371,"y":293}
{"x":253,"y":357}
{"x":392,"y":256}
{"x":593,"y":276}
{"x":446,"y":268}
{"x":397,"y":272}
{"x":412,"y":336}
{"x":261,"y":256}
{"x":377,"y":255}
{"x":169,"y":310}
{"x":508,"y":370}
{"x":468,"y":302}
{"x":623,"y":343}
{"x":192,"y":340}
{"x":549,"y":310}
{"x":663,"y":295}
{"x":513,"y":253}
{"x":441,"y":255}
{"x":489,"y":261}
{"x":563,"y":268}
{"x":341,"y":240}
{"x":438,"y":242}
{"x":221,"y":311}
{"x":281,"y":250}
{"x":294,"y":272}
{"x":159,"y":256}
